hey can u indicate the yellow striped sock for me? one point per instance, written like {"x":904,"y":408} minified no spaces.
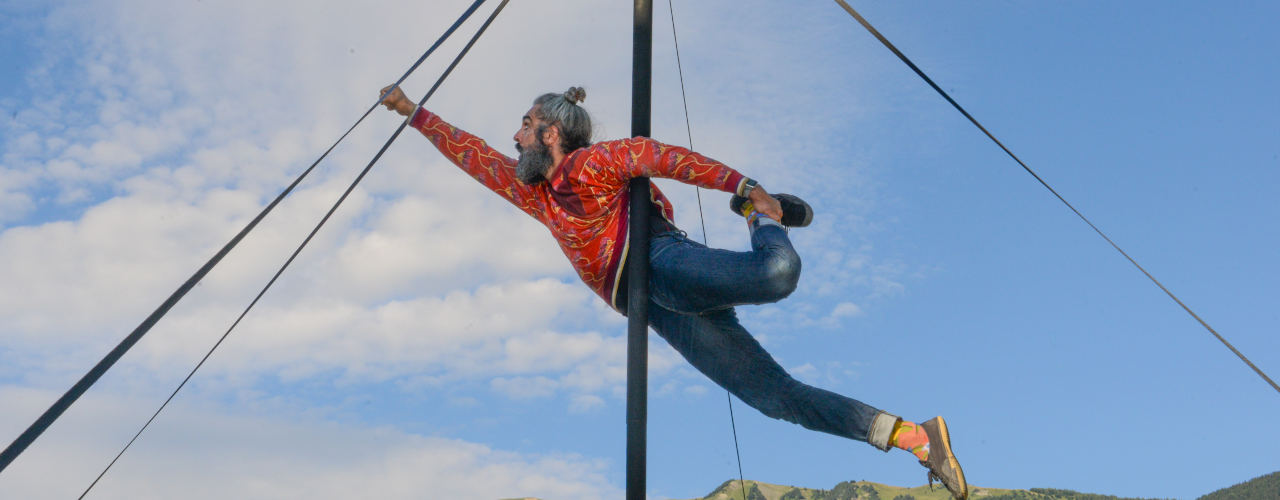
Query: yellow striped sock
{"x":911,"y":437}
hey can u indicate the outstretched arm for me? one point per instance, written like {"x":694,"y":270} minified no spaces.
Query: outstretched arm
{"x":470,"y":153}
{"x":649,"y":158}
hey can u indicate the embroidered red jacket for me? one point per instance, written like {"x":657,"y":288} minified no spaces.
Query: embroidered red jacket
{"x":585,"y":202}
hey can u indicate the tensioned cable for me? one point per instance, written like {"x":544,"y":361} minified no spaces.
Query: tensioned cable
{"x":49,"y":416}
{"x":684,"y":99}
{"x":1104,"y":236}
{"x":313,"y":233}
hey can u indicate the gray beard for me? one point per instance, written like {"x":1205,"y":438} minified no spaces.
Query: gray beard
{"x":533,"y":164}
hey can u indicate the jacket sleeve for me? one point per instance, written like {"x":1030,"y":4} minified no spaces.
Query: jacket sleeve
{"x":483,"y":163}
{"x":644,"y":157}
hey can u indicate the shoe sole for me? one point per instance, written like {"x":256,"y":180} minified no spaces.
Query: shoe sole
{"x":796,"y":203}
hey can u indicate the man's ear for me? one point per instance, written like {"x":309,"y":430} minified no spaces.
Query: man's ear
{"x":551,"y":136}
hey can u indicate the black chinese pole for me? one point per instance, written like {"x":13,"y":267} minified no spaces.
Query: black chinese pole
{"x":638,"y":274}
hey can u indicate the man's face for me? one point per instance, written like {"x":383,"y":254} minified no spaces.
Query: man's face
{"x":535,"y":157}
{"x":527,"y":134}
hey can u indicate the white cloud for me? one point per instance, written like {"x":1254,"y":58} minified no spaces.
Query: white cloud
{"x":430,"y":244}
{"x":15,"y":204}
{"x":461,"y":334}
{"x":825,"y":374}
{"x":845,"y":309}
{"x":74,"y":273}
{"x":805,"y":371}
{"x":524,"y":387}
{"x":206,"y":452}
{"x":583,"y":403}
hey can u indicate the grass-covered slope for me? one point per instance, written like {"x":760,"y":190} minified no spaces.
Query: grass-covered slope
{"x":865,"y":490}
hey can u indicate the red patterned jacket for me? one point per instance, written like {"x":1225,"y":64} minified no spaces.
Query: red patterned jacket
{"x":585,"y":202}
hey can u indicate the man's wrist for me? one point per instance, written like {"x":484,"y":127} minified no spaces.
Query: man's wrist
{"x":746,"y":187}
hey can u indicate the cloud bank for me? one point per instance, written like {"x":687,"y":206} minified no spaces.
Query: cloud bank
{"x":161,"y":130}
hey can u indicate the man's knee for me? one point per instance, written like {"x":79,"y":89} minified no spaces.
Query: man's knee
{"x":782,"y":272}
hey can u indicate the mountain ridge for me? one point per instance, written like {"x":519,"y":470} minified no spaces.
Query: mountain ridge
{"x":1265,"y":487}
{"x":867,"y":490}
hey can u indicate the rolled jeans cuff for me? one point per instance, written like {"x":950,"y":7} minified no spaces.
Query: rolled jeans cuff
{"x":881,"y":430}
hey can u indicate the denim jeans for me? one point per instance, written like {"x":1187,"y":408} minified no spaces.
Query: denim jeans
{"x":693,"y":289}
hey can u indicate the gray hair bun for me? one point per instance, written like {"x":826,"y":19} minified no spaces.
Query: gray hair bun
{"x":575,"y":95}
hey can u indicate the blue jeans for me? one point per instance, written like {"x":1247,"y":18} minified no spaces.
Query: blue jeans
{"x":693,"y":289}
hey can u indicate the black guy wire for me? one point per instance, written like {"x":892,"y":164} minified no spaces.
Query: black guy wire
{"x":1104,"y":236}
{"x":684,"y":99}
{"x":46,"y":419}
{"x":308,"y":239}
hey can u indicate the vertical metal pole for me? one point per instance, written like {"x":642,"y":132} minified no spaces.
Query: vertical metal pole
{"x":638,"y":242}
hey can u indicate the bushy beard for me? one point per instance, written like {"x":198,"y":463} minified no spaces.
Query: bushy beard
{"x":533,"y":164}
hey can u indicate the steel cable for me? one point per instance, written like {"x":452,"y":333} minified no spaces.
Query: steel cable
{"x":684,"y":99}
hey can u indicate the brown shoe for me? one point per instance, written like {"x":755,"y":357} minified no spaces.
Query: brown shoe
{"x":942,"y":463}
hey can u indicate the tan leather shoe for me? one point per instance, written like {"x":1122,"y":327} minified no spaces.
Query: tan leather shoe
{"x":942,"y":463}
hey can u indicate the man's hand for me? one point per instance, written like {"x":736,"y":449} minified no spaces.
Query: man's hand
{"x":396,"y":101}
{"x":765,"y":204}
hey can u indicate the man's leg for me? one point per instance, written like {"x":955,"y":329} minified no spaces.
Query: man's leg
{"x":688,"y":277}
{"x":718,"y":346}
{"x":692,"y":290}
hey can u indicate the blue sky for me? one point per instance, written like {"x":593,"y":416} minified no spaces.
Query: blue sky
{"x":433,"y":338}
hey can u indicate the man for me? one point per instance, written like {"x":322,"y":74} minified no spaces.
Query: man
{"x":578,"y":190}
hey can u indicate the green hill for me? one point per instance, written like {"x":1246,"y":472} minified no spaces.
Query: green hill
{"x":865,"y":490}
{"x":1259,"y":488}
